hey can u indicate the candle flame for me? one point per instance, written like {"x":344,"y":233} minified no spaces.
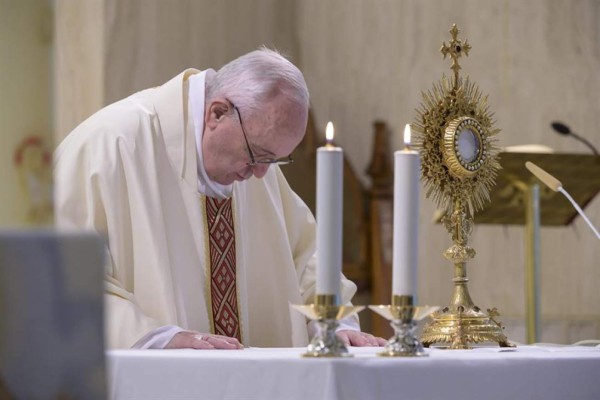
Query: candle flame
{"x":329,"y":132}
{"x":407,"y":134}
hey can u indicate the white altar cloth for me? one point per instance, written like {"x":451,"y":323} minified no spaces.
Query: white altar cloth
{"x":528,"y":372}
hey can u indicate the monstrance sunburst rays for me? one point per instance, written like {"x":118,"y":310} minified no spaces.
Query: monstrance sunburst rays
{"x":449,"y":99}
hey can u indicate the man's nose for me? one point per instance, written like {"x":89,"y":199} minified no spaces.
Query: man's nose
{"x":260,"y":170}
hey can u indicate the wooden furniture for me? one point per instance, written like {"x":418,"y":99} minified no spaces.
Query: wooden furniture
{"x":380,"y":220}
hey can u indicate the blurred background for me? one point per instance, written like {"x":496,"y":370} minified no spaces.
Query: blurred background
{"x":364,"y":61}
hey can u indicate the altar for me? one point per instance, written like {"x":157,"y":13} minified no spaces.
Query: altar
{"x":525,"y":372}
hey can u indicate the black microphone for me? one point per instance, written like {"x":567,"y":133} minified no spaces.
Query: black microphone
{"x":563,"y":129}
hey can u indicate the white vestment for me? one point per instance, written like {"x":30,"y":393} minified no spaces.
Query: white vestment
{"x":130,"y":173}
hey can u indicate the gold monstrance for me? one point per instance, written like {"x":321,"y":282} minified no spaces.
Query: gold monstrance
{"x":456,"y":139}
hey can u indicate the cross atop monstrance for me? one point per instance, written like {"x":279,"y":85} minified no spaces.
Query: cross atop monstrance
{"x":455,"y":49}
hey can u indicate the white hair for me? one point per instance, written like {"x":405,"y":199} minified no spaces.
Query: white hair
{"x":250,"y":80}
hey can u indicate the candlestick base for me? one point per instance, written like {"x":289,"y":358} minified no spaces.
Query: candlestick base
{"x":326,"y":312}
{"x":325,"y":343}
{"x":402,"y":316}
{"x":404,"y":343}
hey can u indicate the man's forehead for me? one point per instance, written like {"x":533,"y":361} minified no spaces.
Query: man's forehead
{"x":280,"y":132}
{"x":283,"y":116}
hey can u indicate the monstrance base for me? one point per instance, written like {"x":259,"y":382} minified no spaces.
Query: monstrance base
{"x":461,"y":328}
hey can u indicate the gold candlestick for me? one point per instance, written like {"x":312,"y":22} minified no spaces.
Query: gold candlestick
{"x":326,"y":311}
{"x":402,"y":315}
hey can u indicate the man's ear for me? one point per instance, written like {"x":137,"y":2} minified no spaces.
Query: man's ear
{"x":215,"y":112}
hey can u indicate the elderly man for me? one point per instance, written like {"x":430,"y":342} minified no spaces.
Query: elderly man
{"x":207,"y":244}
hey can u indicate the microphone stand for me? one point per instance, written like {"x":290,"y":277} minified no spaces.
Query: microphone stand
{"x":557,"y":186}
{"x":580,"y":211}
{"x":584,"y":141}
{"x":563,"y":129}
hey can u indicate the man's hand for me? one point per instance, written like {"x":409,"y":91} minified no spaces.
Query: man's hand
{"x":197,"y":340}
{"x":359,"y":339}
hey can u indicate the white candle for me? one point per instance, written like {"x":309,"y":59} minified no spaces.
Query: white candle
{"x":406,"y":219}
{"x":330,"y":168}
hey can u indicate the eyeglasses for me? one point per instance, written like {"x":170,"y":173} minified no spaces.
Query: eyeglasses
{"x":254,"y":162}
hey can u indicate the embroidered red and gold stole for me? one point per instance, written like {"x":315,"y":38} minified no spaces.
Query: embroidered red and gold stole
{"x":223,"y":289}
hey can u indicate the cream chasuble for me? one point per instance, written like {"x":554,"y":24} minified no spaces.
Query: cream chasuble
{"x":129,"y":172}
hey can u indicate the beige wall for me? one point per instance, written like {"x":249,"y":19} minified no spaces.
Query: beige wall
{"x":108,"y":49}
{"x":150,"y":41}
{"x":368,"y":59}
{"x":25,"y":40}
{"x":79,"y":60}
